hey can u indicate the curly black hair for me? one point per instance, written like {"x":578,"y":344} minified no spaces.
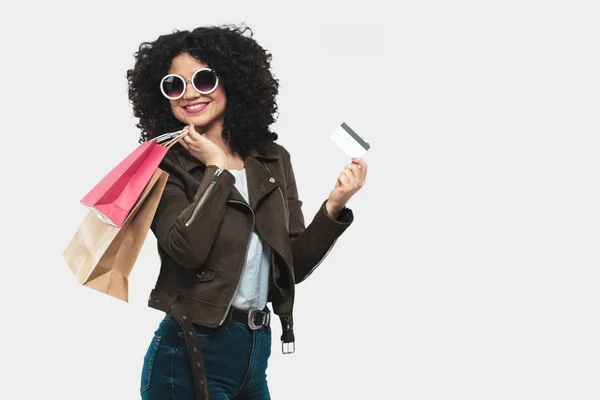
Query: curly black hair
{"x":243,"y":67}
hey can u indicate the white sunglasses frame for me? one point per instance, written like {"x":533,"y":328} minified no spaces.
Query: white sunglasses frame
{"x":185,"y":82}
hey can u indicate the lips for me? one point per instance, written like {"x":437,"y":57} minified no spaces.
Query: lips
{"x":194,"y":108}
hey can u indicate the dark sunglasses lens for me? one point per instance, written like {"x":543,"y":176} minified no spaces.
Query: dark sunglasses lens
{"x":172,"y":86}
{"x":205,"y":81}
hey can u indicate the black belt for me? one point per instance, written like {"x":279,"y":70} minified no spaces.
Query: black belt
{"x":254,"y":319}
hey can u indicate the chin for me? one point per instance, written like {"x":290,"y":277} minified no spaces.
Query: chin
{"x":206,"y":120}
{"x":187,"y":118}
{"x":200,"y":122}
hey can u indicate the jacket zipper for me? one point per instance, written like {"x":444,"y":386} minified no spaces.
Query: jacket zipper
{"x":202,"y":199}
{"x":239,"y":280}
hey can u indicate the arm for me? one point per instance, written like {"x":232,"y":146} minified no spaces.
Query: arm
{"x":184,"y":229}
{"x":311,"y":244}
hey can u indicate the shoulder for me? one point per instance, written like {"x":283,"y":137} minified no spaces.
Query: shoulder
{"x":277,"y":150}
{"x":178,"y":161}
{"x":181,"y":157}
{"x":173,"y":157}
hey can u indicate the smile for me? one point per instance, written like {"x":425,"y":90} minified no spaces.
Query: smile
{"x":196,"y":107}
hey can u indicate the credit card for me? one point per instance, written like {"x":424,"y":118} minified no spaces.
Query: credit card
{"x":349,"y":141}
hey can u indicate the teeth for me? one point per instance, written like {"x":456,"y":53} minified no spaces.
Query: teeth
{"x":196,"y":106}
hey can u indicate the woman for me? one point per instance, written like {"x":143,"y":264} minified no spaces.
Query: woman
{"x":230,"y":229}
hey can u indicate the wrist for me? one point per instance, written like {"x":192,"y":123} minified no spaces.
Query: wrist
{"x":333,"y":209}
{"x":219,"y":163}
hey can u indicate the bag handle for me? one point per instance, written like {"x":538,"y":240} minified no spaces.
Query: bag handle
{"x":176,"y":139}
{"x":170,"y":138}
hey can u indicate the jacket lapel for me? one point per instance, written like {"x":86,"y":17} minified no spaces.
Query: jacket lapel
{"x":260,"y":180}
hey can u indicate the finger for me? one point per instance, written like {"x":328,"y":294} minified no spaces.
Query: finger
{"x":346,"y":178}
{"x":362,"y":167}
{"x":192,"y":132}
{"x":353,"y":181}
{"x":190,"y":127}
{"x":187,"y":140}
{"x":195,"y":139}
{"x":353,"y":170}
{"x":360,"y":162}
{"x":184,"y":144}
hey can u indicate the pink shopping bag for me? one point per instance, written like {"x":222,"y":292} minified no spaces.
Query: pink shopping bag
{"x":114,"y":196}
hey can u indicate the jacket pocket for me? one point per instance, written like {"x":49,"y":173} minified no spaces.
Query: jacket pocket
{"x":149,"y":363}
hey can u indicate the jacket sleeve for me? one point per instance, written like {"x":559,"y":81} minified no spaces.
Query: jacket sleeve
{"x":186,"y":230}
{"x":312,"y":243}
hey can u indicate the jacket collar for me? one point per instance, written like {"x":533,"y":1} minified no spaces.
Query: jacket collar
{"x":267,"y":154}
{"x":260,"y":179}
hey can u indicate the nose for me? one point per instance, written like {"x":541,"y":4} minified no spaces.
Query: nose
{"x":190,"y":92}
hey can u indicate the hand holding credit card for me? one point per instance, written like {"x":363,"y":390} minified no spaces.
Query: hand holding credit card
{"x":353,"y":176}
{"x":349,"y":141}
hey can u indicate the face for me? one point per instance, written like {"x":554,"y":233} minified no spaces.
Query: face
{"x":204,"y":110}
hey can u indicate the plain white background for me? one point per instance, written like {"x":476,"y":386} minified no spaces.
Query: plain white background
{"x":471,"y":270}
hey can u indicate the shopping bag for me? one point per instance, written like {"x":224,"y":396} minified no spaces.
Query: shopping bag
{"x":101,"y":256}
{"x":113,"y":198}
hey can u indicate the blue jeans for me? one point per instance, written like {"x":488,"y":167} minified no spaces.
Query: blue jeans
{"x":235,"y":358}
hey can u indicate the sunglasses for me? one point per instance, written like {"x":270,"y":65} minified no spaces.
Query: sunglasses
{"x":204,"y":81}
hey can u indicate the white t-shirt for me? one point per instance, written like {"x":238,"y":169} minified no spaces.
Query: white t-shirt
{"x":254,"y":287}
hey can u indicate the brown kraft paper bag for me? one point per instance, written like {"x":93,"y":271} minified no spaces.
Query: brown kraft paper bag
{"x":101,"y":256}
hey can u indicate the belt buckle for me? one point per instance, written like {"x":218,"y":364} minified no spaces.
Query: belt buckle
{"x":251,"y":316}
